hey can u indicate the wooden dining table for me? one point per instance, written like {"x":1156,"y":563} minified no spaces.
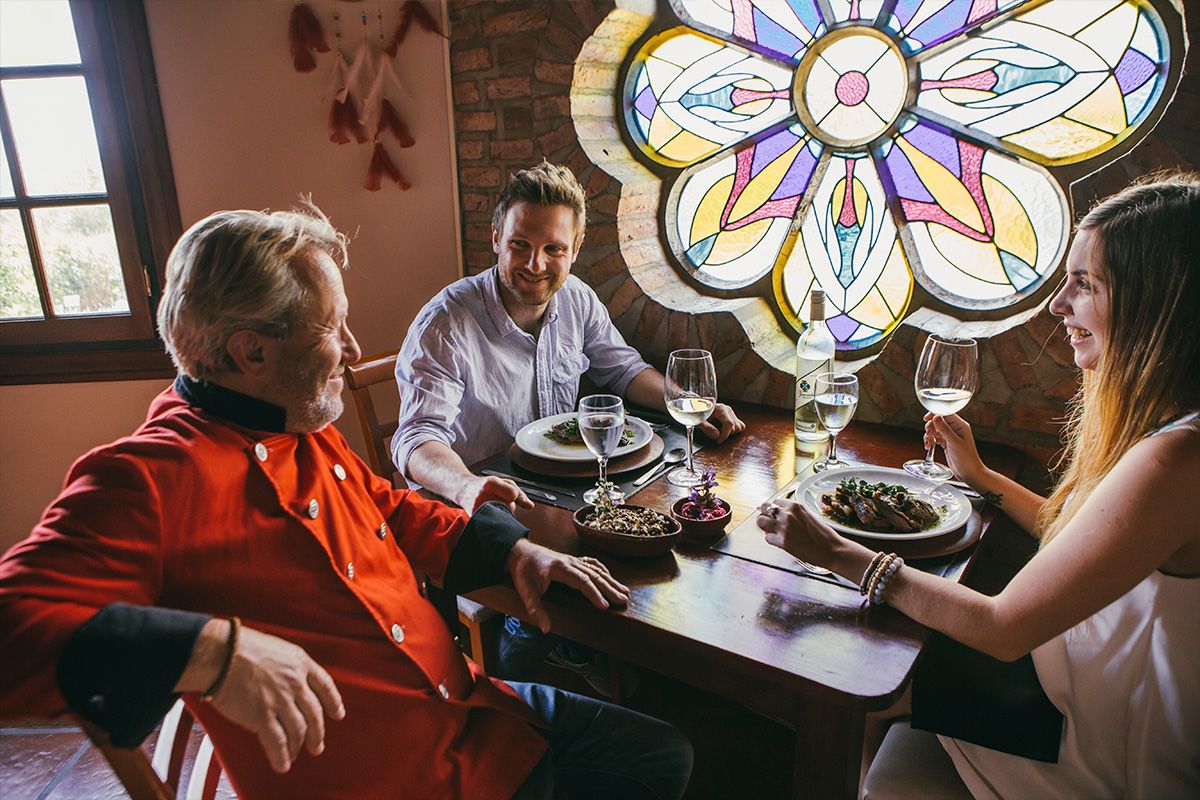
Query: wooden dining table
{"x":795,"y":649}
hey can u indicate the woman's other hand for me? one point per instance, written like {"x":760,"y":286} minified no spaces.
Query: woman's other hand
{"x":791,"y":527}
{"x":953,"y":433}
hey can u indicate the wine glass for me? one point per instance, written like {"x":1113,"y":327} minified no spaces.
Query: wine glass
{"x":836,"y":397}
{"x":601,"y":424}
{"x":691,"y":395}
{"x":947,"y":375}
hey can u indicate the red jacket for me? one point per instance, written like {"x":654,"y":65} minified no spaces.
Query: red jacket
{"x":192,"y":513}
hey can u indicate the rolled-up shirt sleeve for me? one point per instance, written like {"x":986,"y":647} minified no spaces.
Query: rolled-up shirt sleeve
{"x":614,"y":364}
{"x":429,"y":379}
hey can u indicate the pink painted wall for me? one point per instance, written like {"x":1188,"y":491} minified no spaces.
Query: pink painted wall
{"x":247,"y":131}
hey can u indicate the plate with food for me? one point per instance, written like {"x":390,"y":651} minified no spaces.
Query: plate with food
{"x":883,"y":503}
{"x":557,"y":438}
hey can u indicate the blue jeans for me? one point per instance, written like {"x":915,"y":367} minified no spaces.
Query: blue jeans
{"x":600,"y":750}
{"x":523,"y":647}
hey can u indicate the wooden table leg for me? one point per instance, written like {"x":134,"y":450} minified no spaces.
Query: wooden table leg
{"x":829,"y":742}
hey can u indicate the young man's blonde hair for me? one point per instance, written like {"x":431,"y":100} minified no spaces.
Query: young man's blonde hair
{"x":544,"y":185}
{"x":234,"y":271}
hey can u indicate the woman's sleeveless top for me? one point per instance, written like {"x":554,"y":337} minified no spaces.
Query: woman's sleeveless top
{"x":1127,"y":679}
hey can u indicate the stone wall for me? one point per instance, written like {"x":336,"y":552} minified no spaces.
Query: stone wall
{"x":518,"y":76}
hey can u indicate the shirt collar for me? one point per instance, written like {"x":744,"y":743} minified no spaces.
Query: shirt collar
{"x":240,"y":409}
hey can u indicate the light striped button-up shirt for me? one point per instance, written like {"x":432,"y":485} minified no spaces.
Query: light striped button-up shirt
{"x":470,"y":378}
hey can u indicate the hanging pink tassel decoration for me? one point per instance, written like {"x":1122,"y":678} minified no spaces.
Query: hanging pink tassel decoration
{"x":381,"y":164}
{"x":390,"y":120}
{"x":343,"y":122}
{"x":411,"y":12}
{"x":305,"y":35}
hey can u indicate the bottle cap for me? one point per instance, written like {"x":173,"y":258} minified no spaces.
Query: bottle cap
{"x":816,"y":307}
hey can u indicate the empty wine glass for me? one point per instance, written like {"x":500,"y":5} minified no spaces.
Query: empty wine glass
{"x":947,"y":375}
{"x":691,"y":395}
{"x":836,"y":397}
{"x":601,"y":424}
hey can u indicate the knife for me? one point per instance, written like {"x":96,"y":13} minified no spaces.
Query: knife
{"x":525,"y":482}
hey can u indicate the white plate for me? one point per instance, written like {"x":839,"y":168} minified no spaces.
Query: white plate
{"x":532,"y":439}
{"x":950,"y":502}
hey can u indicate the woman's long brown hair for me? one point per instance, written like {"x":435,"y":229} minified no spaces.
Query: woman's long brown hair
{"x":1146,"y":244}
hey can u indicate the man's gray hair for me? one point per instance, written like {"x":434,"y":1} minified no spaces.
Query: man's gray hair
{"x":235,"y":271}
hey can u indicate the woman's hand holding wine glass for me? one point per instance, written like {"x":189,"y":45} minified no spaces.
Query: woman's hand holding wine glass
{"x":947,"y":376}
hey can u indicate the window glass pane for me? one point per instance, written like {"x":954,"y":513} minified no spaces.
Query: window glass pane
{"x":848,"y":245}
{"x":6,"y":184}
{"x":733,"y":212}
{"x":18,"y":292}
{"x":923,"y":23}
{"x":55,"y":138}
{"x":36,"y":32}
{"x":79,"y":252}
{"x":693,"y":95}
{"x":1066,"y":81}
{"x":986,"y":228}
{"x":784,"y":28}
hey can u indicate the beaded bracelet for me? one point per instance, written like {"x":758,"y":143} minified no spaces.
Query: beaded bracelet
{"x":862,"y":585}
{"x":235,"y":627}
{"x":876,"y":574}
{"x":877,"y":598}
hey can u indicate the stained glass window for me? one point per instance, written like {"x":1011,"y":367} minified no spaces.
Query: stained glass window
{"x":899,"y":154}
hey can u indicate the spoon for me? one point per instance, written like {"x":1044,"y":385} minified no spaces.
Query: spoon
{"x":673,"y":456}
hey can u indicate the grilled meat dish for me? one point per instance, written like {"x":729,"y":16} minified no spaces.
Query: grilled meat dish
{"x":567,"y":432}
{"x":878,"y":507}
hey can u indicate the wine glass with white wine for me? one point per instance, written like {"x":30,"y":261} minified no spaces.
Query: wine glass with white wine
{"x":835,"y":395}
{"x":946,"y":378}
{"x":690,"y":392}
{"x":601,"y":424}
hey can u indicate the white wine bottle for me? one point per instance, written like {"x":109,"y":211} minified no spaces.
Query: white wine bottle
{"x":814,"y":354}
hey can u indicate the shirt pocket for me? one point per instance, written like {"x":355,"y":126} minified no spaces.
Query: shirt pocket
{"x":565,"y":376}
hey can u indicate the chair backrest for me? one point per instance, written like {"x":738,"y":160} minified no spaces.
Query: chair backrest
{"x":360,"y":377}
{"x":159,"y":779}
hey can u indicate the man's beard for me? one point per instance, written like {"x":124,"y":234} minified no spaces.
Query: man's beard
{"x":310,"y":404}
{"x":313,"y":414}
{"x":527,"y":298}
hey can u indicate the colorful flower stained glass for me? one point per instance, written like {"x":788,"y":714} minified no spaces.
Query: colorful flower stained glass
{"x":805,"y":155}
{"x":694,"y":95}
{"x":1061,"y":82}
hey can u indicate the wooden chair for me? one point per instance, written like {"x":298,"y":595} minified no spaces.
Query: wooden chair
{"x":158,"y":779}
{"x":481,"y":624}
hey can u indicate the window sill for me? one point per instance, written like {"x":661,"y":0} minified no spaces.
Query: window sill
{"x":137,"y":362}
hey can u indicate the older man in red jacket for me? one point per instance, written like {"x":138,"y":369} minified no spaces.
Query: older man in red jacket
{"x":235,"y":550}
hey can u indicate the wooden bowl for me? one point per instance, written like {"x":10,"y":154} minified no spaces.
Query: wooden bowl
{"x":701,"y":530}
{"x":625,"y":544}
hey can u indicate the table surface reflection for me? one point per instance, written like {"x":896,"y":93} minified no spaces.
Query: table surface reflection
{"x":798,"y":650}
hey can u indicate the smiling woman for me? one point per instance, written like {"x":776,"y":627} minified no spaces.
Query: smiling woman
{"x":87,"y":205}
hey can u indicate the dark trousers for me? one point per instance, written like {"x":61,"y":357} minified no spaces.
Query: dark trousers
{"x":601,"y":750}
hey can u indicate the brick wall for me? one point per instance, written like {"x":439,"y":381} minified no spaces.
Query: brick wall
{"x":513,"y":63}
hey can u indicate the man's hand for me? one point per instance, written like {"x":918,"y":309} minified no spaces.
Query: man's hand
{"x":533,"y":567}
{"x":475,"y":491}
{"x":726,"y":424}
{"x":273,"y":689}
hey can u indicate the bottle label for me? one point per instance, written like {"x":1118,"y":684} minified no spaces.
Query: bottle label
{"x":806,"y":412}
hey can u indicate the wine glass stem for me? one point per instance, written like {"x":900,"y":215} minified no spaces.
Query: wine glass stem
{"x":929,"y":454}
{"x":603,"y":471}
{"x":690,"y":468}
{"x":832,"y":448}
